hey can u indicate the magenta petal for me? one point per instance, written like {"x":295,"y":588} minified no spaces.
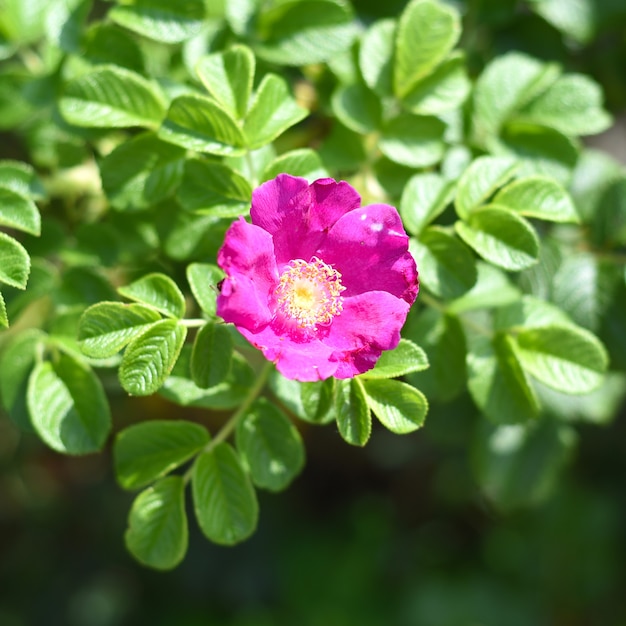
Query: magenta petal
{"x":304,"y":361}
{"x":370,"y":322}
{"x":274,"y":200}
{"x":369,"y":247}
{"x":329,"y":201}
{"x":247,"y":258}
{"x":298,"y":215}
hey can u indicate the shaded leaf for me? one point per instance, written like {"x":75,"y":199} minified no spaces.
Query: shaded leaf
{"x":224,"y":500}
{"x":446,"y":265}
{"x":146,"y":451}
{"x":211,"y":356}
{"x":68,"y":406}
{"x":157,"y":533}
{"x":270,"y":446}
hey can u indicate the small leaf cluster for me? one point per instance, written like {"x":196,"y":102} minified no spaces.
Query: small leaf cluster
{"x":143,"y":129}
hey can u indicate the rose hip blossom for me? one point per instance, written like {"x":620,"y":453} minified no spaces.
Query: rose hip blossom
{"x":318,"y":283}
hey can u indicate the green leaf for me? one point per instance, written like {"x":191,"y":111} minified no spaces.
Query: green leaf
{"x":583,"y":287}
{"x":303,"y":162}
{"x":352,"y":412}
{"x":198,"y":123}
{"x":405,"y":358}
{"x":146,"y":451}
{"x":301,"y":33}
{"x":492,"y":289}
{"x":14,"y":262}
{"x":424,"y":198}
{"x":141,"y":172}
{"x":106,"y":327}
{"x":608,"y":216}
{"x":480,"y":181}
{"x":529,"y":312}
{"x":228,"y":77}
{"x":149,"y":358}
{"x":565,"y":358}
{"x":203,"y":279}
{"x":538,"y":196}
{"x":68,"y":406}
{"x":106,"y":43}
{"x":446,"y":88}
{"x":505,"y":86}
{"x":447,"y":267}
{"x":414,"y":141}
{"x":112,"y":97}
{"x":500,"y":237}
{"x":214,"y":189}
{"x":239,"y":15}
{"x":161,"y":20}
{"x":496,"y":380}
{"x":211,"y":356}
{"x":575,"y":18}
{"x":17,"y":360}
{"x":23,"y":22}
{"x":4,"y":320}
{"x":272,"y":112}
{"x":157,"y":533}
{"x":65,"y":22}
{"x":443,"y":341}
{"x":180,"y":389}
{"x":158,"y":291}
{"x":427,"y":32}
{"x":82,"y":286}
{"x":42,"y":281}
{"x":520,"y":465}
{"x":20,"y":178}
{"x":224,"y":500}
{"x":399,"y":407}
{"x":571,"y":105}
{"x":270,"y":446}
{"x":541,"y":150}
{"x":357,"y":108}
{"x":376,"y":54}
{"x":316,"y":401}
{"x":19,"y":212}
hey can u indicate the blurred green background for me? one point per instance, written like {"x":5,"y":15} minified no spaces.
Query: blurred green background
{"x":396,"y":534}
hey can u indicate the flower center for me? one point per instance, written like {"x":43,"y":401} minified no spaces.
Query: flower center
{"x":309,"y":293}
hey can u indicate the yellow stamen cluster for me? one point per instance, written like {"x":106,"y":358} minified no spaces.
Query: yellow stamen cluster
{"x":310,"y":292}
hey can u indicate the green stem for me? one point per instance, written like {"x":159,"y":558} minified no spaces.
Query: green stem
{"x":231,"y":424}
{"x":193,"y":323}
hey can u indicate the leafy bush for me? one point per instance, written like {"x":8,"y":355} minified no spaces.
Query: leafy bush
{"x":137,"y":134}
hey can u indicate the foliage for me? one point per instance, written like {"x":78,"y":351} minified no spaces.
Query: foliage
{"x":143,"y":129}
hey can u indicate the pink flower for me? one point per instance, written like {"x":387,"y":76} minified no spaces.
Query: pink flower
{"x":318,"y":283}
